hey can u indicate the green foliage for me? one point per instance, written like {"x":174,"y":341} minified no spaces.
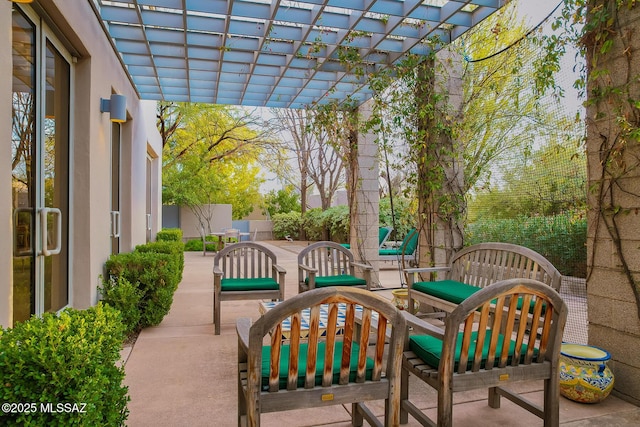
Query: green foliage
{"x":551,"y":181}
{"x":212,"y":158}
{"x":336,"y":222}
{"x":282,"y":201}
{"x":313,"y":223}
{"x":333,"y":223}
{"x":173,"y":248}
{"x":562,"y":239}
{"x":405,"y":214}
{"x":122,"y":295}
{"x":286,"y":224}
{"x":66,"y":358}
{"x":156,"y":276}
{"x":195,"y":245}
{"x":169,"y":234}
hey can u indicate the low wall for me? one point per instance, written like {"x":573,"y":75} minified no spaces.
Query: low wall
{"x":220,"y":219}
{"x":183,"y":218}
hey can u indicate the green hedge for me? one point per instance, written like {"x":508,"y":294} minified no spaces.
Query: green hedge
{"x":173,"y":248}
{"x":156,"y":276}
{"x":313,"y":222}
{"x":562,"y":239}
{"x":121,"y":294}
{"x":169,"y":234}
{"x":64,"y":359}
{"x":333,"y":223}
{"x":286,"y":224}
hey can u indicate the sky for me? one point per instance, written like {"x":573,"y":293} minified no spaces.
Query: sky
{"x":536,"y":10}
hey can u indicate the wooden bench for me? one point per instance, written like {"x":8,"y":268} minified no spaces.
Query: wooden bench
{"x":508,"y":332}
{"x":336,"y":369}
{"x":330,"y":264}
{"x":245,"y":271}
{"x":474,"y":268}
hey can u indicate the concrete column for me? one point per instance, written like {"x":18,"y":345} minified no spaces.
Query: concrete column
{"x":441,"y":209}
{"x":613,"y":250}
{"x":365,"y":221}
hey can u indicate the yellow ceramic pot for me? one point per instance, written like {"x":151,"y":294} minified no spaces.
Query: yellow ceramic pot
{"x":584,"y":374}
{"x":401,"y":299}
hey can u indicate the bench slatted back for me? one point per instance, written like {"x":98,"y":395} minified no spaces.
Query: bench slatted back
{"x":388,"y":329}
{"x":247,"y":261}
{"x":486,"y":263}
{"x":329,"y":258}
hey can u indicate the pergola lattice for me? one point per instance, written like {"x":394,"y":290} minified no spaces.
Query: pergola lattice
{"x":275,"y":53}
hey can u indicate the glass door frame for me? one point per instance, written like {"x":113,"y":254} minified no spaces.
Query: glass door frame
{"x":43,"y":36}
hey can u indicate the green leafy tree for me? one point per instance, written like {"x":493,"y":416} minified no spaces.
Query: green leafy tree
{"x":282,"y":201}
{"x":504,"y":108}
{"x":210,"y":157}
{"x":452,"y":140}
{"x":548,"y":182}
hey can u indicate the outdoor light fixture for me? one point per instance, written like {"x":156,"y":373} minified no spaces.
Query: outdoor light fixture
{"x":116,"y":106}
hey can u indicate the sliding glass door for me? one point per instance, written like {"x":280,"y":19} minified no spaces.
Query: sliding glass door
{"x":40,"y":168}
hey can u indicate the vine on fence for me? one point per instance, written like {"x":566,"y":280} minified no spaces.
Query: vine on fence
{"x":594,"y":27}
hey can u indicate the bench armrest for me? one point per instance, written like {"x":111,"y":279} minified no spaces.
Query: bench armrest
{"x":420,"y":327}
{"x":217,"y":271}
{"x":362,"y":265}
{"x":411,"y":272}
{"x":243,"y":325}
{"x":279,"y":268}
{"x":308,"y":269}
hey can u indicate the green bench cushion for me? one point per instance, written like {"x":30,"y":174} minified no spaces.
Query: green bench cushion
{"x":448,"y":290}
{"x":429,"y":349}
{"x":456,"y":292}
{"x":339,"y":280}
{"x":252,"y":284}
{"x":302,"y":364}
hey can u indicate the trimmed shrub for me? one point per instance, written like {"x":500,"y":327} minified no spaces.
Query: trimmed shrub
{"x":173,"y":248}
{"x":285,"y":224}
{"x":313,"y":224}
{"x":195,"y":245}
{"x":64,"y":359}
{"x":120,"y":294}
{"x":155,"y":276}
{"x":336,"y":222}
{"x":169,"y":234}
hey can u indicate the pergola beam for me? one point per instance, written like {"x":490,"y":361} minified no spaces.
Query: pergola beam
{"x":279,"y":53}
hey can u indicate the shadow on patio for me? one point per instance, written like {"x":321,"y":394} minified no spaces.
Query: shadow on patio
{"x":180,"y":373}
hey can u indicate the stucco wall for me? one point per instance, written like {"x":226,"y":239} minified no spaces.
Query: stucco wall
{"x":96,"y":73}
{"x":220,"y":219}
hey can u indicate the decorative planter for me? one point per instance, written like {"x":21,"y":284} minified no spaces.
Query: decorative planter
{"x":584,"y":374}
{"x":401,"y":299}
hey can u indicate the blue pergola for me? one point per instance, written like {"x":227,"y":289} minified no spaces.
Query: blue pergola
{"x":275,"y":53}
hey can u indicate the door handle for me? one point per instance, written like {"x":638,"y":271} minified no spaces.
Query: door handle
{"x":44,"y":233}
{"x":149,"y":222}
{"x":115,"y":224}
{"x":22,"y":234}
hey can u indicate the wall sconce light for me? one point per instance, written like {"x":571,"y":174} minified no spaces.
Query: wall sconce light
{"x":116,"y":106}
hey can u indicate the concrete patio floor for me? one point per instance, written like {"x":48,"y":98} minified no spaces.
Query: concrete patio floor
{"x":180,"y":374}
